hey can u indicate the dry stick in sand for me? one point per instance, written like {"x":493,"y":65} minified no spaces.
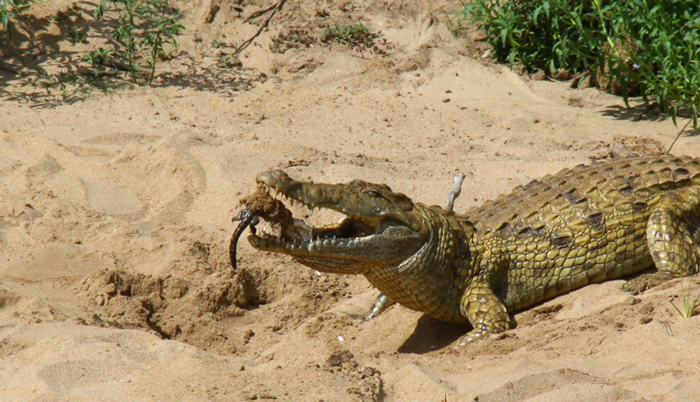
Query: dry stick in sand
{"x":456,"y":190}
{"x":678,"y":136}
{"x":274,"y":9}
{"x":258,"y":13}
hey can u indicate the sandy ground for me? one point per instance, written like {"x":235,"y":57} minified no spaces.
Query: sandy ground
{"x":115,"y":217}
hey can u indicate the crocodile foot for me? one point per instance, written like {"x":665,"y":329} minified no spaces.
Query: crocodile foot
{"x":645,"y":282}
{"x":474,"y":335}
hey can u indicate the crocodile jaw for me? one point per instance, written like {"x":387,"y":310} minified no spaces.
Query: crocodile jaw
{"x":343,"y":255}
{"x":367,"y":237}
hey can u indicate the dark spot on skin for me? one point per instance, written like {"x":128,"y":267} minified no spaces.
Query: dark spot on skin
{"x":570,"y":196}
{"x":505,"y":229}
{"x":683,"y":182}
{"x":626,"y":191}
{"x":573,"y":197}
{"x":639,"y":206}
{"x":531,"y":184}
{"x":595,"y":219}
{"x":680,"y":174}
{"x":523,"y":231}
{"x":560,"y":241}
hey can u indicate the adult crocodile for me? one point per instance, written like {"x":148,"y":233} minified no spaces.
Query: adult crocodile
{"x":579,"y":226}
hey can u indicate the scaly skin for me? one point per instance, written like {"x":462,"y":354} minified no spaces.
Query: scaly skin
{"x":582,"y":225}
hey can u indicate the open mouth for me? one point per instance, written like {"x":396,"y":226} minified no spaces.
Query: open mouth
{"x":288,"y":233}
{"x":355,"y":237}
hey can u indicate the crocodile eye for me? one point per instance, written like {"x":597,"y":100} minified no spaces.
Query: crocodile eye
{"x":374,"y":194}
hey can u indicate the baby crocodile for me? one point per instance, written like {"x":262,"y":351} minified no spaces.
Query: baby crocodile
{"x":580,"y":226}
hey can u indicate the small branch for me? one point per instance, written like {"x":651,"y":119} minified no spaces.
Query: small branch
{"x":678,"y":136}
{"x":258,"y":13}
{"x":456,"y":190}
{"x":245,"y":44}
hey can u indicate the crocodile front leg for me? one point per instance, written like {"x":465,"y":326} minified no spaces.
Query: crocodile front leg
{"x":484,"y":310}
{"x":673,"y":233}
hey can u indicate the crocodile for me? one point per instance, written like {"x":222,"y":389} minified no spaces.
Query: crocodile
{"x":580,"y":226}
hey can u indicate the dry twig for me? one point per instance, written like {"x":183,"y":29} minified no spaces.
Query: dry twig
{"x":258,"y":13}
{"x":456,"y":190}
{"x":678,"y":136}
{"x":274,"y":9}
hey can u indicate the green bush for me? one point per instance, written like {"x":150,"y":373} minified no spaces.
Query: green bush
{"x":145,"y":25}
{"x":650,"y":44}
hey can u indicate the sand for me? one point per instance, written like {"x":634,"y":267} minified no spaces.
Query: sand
{"x":115,"y":217}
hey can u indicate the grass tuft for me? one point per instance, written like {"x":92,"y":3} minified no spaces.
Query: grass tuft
{"x":356,"y":36}
{"x":690,"y":306}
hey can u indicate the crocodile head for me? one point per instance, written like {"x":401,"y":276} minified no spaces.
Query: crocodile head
{"x":380,"y":227}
